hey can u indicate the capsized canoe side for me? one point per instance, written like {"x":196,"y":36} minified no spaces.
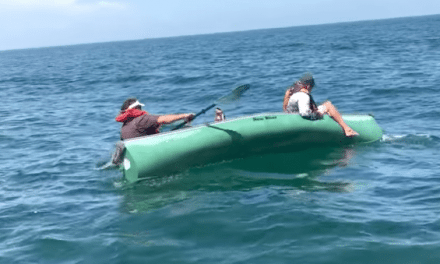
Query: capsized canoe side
{"x":175,"y":151}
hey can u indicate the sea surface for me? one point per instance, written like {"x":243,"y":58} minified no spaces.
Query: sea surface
{"x":61,"y":202}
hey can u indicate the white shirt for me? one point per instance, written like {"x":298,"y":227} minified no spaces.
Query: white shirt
{"x":300,"y":103}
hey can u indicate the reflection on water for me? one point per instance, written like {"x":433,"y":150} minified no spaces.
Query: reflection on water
{"x":297,"y":170}
{"x":153,"y":193}
{"x":311,"y":161}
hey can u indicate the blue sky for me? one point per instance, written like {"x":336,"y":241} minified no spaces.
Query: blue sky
{"x":42,"y":23}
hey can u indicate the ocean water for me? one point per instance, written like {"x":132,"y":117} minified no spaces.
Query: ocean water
{"x":376,"y":203}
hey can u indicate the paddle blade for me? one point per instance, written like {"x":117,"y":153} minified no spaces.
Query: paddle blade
{"x":234,"y":95}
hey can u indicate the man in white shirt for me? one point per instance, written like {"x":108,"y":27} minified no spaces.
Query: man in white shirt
{"x":298,"y":100}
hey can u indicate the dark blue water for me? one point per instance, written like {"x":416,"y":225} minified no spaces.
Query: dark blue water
{"x":377,"y":203}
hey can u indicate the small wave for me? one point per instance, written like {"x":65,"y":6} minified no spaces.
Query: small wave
{"x":410,"y":139}
{"x":106,"y":165}
{"x":133,"y":79}
{"x":391,"y":138}
{"x":343,"y":46}
{"x":57,"y":248}
{"x":3,"y":136}
{"x":429,"y":115}
{"x":181,"y":80}
{"x":292,"y":45}
{"x":384,"y":92}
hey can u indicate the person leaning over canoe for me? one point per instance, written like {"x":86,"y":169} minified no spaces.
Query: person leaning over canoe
{"x":299,"y":100}
{"x":138,"y":123}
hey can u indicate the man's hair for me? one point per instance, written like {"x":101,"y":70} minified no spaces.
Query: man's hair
{"x":127,"y":103}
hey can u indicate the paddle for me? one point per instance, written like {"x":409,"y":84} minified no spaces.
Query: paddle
{"x":231,"y":97}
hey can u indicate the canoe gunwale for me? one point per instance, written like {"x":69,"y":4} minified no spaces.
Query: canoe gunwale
{"x":268,"y":114}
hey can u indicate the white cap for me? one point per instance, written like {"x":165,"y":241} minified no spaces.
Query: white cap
{"x":133,"y":105}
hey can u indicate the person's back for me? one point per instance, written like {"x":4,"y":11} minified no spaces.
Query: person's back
{"x":140,"y":126}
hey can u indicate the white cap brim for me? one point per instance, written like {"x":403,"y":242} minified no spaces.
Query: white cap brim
{"x":133,"y":105}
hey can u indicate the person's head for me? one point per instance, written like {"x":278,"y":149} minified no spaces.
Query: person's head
{"x":131,"y":103}
{"x":306,"y":81}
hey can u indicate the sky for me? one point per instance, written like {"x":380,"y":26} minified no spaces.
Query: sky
{"x":43,"y":23}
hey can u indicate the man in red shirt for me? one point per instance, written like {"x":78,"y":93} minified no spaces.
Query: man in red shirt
{"x":138,"y":123}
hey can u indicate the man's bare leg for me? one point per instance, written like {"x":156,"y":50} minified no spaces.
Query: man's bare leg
{"x":333,"y":113}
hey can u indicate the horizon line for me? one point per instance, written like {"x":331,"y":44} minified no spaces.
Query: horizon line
{"x":214,"y":33}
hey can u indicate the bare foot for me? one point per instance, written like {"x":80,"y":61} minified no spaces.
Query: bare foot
{"x":350,"y":132}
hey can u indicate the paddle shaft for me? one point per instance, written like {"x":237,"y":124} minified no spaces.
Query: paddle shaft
{"x":233,"y":96}
{"x":196,"y":115}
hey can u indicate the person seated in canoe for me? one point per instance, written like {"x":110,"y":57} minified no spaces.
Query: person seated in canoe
{"x":219,"y":115}
{"x":299,"y":100}
{"x":138,"y":123}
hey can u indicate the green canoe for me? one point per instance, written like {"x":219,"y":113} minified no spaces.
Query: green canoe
{"x":175,"y":151}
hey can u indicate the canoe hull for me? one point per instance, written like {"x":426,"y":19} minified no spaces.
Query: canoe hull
{"x":176,"y":151}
